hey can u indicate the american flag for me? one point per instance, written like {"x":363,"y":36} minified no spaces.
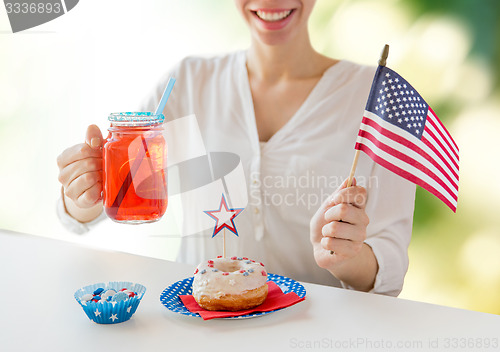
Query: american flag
{"x":402,"y":133}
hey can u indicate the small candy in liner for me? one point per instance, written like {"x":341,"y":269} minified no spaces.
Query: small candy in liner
{"x":109,"y":303}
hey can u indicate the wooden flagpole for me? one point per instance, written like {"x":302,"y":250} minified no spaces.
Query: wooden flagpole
{"x":382,"y":62}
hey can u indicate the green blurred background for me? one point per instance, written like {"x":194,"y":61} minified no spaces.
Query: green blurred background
{"x":105,"y":56}
{"x":450,"y":51}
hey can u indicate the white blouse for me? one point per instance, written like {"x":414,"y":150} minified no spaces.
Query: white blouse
{"x":289,"y":176}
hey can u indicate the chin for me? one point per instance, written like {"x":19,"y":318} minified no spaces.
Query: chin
{"x":274,"y":39}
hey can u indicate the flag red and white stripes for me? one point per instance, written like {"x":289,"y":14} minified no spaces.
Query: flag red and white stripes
{"x":403,"y":134}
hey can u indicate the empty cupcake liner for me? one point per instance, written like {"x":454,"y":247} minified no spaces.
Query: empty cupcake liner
{"x":110,"y":312}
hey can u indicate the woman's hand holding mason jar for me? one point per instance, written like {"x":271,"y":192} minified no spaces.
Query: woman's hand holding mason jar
{"x":80,"y":173}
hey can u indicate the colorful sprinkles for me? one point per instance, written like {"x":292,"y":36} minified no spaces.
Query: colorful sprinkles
{"x":101,"y":296}
{"x":210,"y":264}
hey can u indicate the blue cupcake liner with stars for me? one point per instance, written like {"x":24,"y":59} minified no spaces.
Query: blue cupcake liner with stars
{"x":111,"y":312}
{"x":170,"y":296}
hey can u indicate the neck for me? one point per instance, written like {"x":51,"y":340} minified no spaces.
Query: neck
{"x":284,"y":61}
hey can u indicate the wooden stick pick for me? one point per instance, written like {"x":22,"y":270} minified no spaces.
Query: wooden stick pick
{"x":224,"y":243}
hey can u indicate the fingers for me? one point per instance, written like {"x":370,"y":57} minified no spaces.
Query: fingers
{"x":344,"y":230}
{"x":340,"y":223}
{"x":81,"y":158}
{"x":344,"y":194}
{"x":347,"y":213}
{"x":91,"y":196}
{"x":81,"y":169}
{"x":93,"y":137}
{"x":354,"y":195}
{"x":346,"y":221}
{"x":75,"y":153}
{"x":342,"y":247}
{"x":78,"y":168}
{"x":344,"y":184}
{"x":82,"y":183}
{"x":90,"y":149}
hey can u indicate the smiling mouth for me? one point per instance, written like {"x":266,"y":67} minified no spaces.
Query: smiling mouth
{"x":272,"y":16}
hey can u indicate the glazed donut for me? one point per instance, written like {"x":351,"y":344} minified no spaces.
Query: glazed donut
{"x":230,"y":284}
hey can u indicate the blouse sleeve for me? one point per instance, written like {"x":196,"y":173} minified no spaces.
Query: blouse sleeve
{"x":70,"y":223}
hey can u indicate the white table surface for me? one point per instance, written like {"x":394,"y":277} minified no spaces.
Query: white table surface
{"x":39,"y":313}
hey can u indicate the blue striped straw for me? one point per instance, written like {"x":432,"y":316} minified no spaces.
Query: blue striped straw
{"x":166,"y":94}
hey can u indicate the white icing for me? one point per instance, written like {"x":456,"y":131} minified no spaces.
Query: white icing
{"x":216,"y":284}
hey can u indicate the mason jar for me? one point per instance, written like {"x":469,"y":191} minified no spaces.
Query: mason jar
{"x":135,"y":168}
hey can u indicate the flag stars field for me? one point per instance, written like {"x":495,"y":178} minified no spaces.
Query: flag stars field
{"x":413,"y":107}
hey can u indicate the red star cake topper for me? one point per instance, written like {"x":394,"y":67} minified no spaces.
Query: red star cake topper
{"x":224,"y":217}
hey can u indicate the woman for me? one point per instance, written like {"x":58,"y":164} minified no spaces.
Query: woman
{"x":292,"y":115}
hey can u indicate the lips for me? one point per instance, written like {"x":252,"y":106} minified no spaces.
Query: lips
{"x":273,"y":19}
{"x":272,"y":16}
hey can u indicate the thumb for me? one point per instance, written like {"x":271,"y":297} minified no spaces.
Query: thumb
{"x":330,"y":200}
{"x":344,"y":184}
{"x":93,"y":137}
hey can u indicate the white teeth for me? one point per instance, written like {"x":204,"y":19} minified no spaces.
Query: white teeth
{"x":273,"y":16}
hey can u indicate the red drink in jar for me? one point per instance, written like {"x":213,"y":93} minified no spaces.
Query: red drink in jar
{"x":135,"y":161}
